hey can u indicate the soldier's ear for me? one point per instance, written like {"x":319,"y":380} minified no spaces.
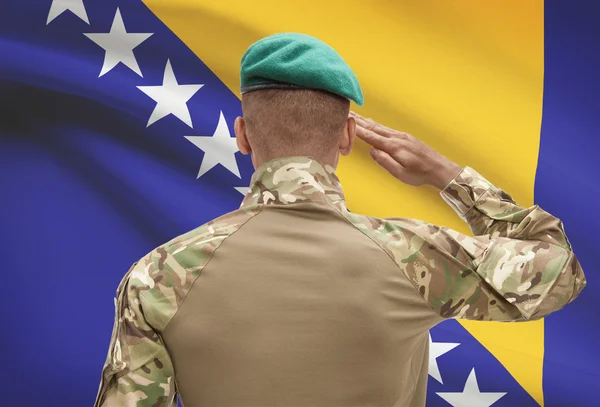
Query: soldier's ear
{"x":241,"y":138}
{"x":348,"y":136}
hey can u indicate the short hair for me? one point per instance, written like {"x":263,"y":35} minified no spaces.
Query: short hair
{"x":285,"y":122}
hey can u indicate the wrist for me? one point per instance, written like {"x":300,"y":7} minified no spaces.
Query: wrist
{"x":446,"y":174}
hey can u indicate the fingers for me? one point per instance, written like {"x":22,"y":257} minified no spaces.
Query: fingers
{"x":378,"y":128}
{"x":376,"y":140}
{"x":357,"y":116}
{"x":362,"y":122}
{"x":367,"y":131}
{"x":387,"y":162}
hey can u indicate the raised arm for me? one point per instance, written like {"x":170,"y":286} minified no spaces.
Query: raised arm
{"x":519,"y":265}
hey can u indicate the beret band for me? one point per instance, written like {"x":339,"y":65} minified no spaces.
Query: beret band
{"x":269,"y":85}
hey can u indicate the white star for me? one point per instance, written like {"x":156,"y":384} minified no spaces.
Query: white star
{"x":437,"y":349}
{"x":471,"y":396}
{"x":171,"y":97}
{"x":218,"y":149}
{"x":60,"y":6}
{"x":242,"y":190}
{"x":119,"y":45}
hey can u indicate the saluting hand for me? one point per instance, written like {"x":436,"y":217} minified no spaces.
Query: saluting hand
{"x":404,"y":156}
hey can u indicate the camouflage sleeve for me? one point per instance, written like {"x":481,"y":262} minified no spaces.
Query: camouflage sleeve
{"x":488,"y":210}
{"x":518,"y":266}
{"x":138,"y":370}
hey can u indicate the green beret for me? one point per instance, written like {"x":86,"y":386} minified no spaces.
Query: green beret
{"x":297,"y":61}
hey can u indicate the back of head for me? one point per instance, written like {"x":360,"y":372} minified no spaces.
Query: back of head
{"x":296,"y":92}
{"x":288,"y":122}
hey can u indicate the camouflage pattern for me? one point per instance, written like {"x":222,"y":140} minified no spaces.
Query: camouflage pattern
{"x":519,"y":266}
{"x":497,"y":214}
{"x":294,"y":179}
{"x":138,"y":370}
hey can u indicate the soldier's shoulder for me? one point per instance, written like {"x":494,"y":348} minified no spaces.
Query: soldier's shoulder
{"x":201,"y":237}
{"x":165,"y":275}
{"x":386,"y":229}
{"x":401,"y":238}
{"x":215,"y":229}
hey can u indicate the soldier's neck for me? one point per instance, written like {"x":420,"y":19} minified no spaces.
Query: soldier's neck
{"x":331,"y":159}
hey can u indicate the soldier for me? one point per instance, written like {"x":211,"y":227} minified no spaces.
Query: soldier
{"x":292,"y":300}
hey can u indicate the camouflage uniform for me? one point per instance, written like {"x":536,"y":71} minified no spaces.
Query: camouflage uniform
{"x":293,"y":300}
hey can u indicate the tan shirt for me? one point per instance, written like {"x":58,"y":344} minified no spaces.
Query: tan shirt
{"x":293,"y":300}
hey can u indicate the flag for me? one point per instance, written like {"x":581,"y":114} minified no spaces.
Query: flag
{"x":116,"y":135}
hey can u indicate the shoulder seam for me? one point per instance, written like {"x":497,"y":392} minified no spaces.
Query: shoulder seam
{"x":260,"y":208}
{"x":367,"y":236}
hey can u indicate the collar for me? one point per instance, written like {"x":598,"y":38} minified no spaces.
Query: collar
{"x":294,"y":179}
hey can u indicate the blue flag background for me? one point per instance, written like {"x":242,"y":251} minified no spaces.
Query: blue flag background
{"x":568,"y":185}
{"x":89,"y":186}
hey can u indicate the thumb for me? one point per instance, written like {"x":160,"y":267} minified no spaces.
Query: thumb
{"x":387,"y":162}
